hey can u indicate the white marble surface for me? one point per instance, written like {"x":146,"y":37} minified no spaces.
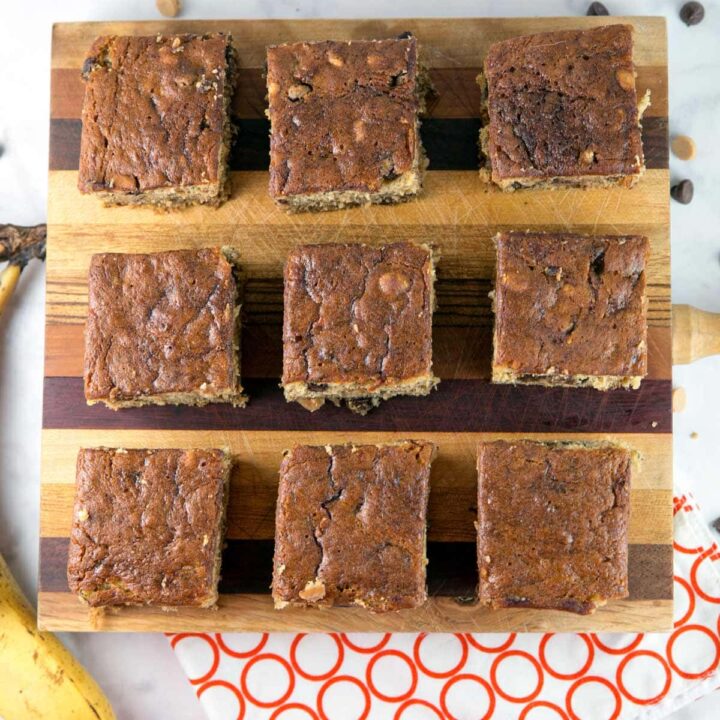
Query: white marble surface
{"x":139,"y":672}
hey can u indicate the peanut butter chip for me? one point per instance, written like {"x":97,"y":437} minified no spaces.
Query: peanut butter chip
{"x":168,"y":8}
{"x":393,"y":283}
{"x":124,"y":182}
{"x":311,"y":404}
{"x":587,"y":156}
{"x":175,"y":43}
{"x":313,"y":590}
{"x":335,"y":60}
{"x":679,"y":399}
{"x":298,"y":91}
{"x":625,"y":79}
{"x":359,"y":130}
{"x":683,"y":147}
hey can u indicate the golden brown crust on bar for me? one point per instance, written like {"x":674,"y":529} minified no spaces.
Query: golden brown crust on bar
{"x":363,"y":333}
{"x":562,"y":109}
{"x":344,"y":123}
{"x":552,"y":524}
{"x":162,"y":328}
{"x":156,"y":125}
{"x":148,"y":526}
{"x":570,"y":310}
{"x":351,"y":526}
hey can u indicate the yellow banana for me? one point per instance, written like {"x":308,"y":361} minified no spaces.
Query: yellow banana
{"x":39,"y":678}
{"x":8,"y":281}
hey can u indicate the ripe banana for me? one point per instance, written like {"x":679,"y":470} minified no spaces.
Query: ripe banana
{"x":39,"y":678}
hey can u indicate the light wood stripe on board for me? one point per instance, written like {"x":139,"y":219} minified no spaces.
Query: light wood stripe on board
{"x":449,"y":42}
{"x":251,"y":510}
{"x":452,"y":198}
{"x":259,"y":453}
{"x":246,"y":613}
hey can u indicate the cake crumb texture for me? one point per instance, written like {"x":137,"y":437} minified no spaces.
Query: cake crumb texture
{"x":351,"y":524}
{"x":552,"y":524}
{"x":148,"y":526}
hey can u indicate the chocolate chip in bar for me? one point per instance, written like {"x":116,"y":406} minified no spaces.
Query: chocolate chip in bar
{"x":597,"y":8}
{"x":716,"y":524}
{"x":692,"y":13}
{"x":683,"y":192}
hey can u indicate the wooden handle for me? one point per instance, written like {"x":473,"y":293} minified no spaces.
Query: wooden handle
{"x":696,"y":334}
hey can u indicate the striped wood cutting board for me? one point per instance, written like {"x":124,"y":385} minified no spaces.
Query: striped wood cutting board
{"x":456,"y":213}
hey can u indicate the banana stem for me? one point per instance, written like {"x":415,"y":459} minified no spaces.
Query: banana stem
{"x":18,"y":245}
{"x":8,"y":281}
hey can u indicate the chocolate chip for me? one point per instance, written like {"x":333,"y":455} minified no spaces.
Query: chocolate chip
{"x":2,"y":150}
{"x":405,"y":35}
{"x":692,"y":13}
{"x":597,"y":8}
{"x":682,"y":192}
{"x":598,"y":263}
{"x":361,"y":406}
{"x":88,"y":66}
{"x":317,"y":387}
{"x":552,"y":271}
{"x":398,"y":79}
{"x":716,"y":524}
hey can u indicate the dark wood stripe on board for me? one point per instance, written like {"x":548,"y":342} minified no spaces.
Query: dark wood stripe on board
{"x":450,"y":143}
{"x":457,"y":406}
{"x":457,"y":93}
{"x":452,"y":568}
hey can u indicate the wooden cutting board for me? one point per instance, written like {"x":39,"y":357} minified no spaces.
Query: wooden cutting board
{"x":457,"y":213}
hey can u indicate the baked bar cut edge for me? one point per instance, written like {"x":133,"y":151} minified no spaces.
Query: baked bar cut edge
{"x":592,"y":603}
{"x":358,"y":397}
{"x":234,"y":396}
{"x":179,"y":197}
{"x":560,"y":181}
{"x":402,"y":188}
{"x":507,"y":375}
{"x":308,"y":598}
{"x":210,"y":600}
